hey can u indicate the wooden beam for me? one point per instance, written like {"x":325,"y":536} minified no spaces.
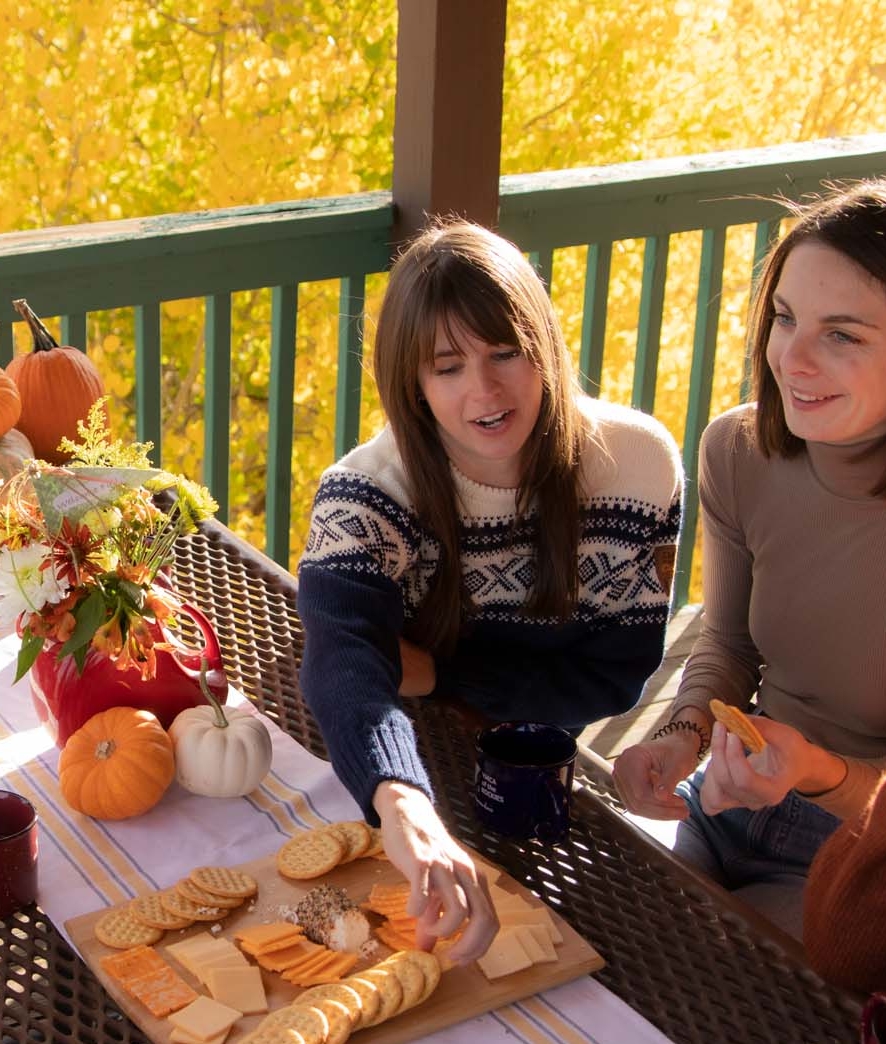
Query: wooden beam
{"x":447,"y":126}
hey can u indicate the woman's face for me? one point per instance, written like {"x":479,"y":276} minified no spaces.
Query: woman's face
{"x":827,"y":347}
{"x":485,"y":399}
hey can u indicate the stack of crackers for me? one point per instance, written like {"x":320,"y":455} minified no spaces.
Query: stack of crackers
{"x":208,"y":893}
{"x":312,"y":853}
{"x":328,"y":1014}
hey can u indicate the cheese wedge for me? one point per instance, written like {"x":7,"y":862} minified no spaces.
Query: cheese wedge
{"x":505,"y":956}
{"x":240,"y":988}
{"x":205,"y":1018}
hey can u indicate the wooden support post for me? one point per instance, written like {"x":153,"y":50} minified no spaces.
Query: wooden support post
{"x":447,"y":128}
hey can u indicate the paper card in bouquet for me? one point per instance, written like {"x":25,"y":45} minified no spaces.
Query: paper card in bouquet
{"x":463,"y":992}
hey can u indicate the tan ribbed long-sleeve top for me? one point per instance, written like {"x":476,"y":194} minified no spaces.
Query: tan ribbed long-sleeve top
{"x":794,"y":580}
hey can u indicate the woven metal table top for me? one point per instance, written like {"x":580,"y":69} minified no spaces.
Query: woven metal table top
{"x":695,"y":962}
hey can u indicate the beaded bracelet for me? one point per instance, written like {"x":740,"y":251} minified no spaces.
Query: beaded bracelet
{"x":704,"y":739}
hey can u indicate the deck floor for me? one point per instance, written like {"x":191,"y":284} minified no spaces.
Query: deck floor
{"x":610,"y":736}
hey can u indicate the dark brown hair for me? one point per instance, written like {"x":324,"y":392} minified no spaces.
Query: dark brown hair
{"x":468,"y":278}
{"x":851,"y":220}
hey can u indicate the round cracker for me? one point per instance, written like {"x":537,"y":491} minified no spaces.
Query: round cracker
{"x":356,"y":837}
{"x":340,"y":992}
{"x":224,"y":880}
{"x":738,"y":722}
{"x":306,"y":1020}
{"x":411,"y":977}
{"x":337,"y":1015}
{"x":191,"y":890}
{"x":376,"y":843}
{"x":370,"y":998}
{"x":180,"y":906}
{"x":430,"y":967}
{"x":149,"y":909}
{"x":310,"y":854}
{"x":389,"y":989}
{"x":118,"y":928}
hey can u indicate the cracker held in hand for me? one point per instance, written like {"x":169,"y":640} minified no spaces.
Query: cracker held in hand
{"x":738,"y":722}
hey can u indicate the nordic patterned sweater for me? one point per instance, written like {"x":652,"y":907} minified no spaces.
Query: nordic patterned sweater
{"x":368,"y":564}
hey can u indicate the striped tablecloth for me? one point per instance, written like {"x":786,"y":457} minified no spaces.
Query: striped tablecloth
{"x":86,"y":864}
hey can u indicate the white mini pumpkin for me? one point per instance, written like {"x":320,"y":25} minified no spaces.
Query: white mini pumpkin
{"x":220,"y":752}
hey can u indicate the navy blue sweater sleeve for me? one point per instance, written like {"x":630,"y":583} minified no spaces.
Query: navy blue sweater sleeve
{"x":349,"y":677}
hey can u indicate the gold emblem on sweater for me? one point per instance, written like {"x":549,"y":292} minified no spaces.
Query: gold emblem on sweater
{"x":665,"y":559}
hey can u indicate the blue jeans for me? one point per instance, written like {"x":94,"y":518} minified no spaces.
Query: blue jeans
{"x":761,"y":856}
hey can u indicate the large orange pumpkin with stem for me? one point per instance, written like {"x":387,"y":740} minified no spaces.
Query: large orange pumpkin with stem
{"x":117,"y":764}
{"x":57,"y":386}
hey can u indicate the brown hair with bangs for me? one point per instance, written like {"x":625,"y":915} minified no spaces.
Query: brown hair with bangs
{"x":469,"y":279}
{"x":851,"y":220}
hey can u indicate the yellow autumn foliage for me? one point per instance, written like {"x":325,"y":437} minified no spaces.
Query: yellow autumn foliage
{"x":125,"y":108}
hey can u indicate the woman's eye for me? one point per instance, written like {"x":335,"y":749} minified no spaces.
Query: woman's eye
{"x":842,"y":337}
{"x":782,"y":319}
{"x":511,"y":353}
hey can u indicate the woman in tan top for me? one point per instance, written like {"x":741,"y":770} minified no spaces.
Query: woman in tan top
{"x":793,"y":493}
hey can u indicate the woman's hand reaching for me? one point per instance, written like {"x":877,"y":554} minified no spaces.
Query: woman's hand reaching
{"x":736,"y":779}
{"x":446,"y":890}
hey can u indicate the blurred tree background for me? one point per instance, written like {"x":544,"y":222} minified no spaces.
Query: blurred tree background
{"x":127,"y":108}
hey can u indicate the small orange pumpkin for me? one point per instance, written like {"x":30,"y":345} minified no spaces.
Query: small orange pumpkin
{"x":57,"y":387}
{"x":10,"y":403}
{"x":117,"y":765}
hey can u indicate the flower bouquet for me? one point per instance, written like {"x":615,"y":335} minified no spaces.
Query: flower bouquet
{"x":84,"y":557}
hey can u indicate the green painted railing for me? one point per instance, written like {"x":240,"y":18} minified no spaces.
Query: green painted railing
{"x":139,"y":264}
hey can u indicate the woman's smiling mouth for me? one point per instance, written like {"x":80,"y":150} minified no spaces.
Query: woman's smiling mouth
{"x":492,"y":420}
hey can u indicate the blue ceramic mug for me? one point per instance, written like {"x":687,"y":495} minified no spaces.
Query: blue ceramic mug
{"x":523,"y":779}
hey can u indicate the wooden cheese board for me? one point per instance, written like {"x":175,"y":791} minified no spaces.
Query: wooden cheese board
{"x":463,"y":993}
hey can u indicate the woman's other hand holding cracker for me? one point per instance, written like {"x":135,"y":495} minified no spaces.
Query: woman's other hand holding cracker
{"x":737,"y":779}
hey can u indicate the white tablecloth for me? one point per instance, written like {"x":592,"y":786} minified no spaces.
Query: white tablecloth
{"x":86,"y":864}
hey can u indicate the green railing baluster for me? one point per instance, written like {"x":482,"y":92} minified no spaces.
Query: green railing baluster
{"x":652,"y":292}
{"x":284,"y":319}
{"x":352,"y":301}
{"x":73,"y":331}
{"x":704,"y":348}
{"x":217,"y":402}
{"x":593,"y":320}
{"x":148,"y":403}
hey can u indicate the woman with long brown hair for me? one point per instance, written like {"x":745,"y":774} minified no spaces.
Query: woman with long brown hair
{"x":793,"y":492}
{"x":505,"y":540}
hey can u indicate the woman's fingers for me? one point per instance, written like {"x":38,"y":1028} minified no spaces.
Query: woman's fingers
{"x":482,"y":922}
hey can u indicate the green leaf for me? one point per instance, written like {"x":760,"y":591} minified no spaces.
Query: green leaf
{"x":31,"y":646}
{"x":90,"y":614}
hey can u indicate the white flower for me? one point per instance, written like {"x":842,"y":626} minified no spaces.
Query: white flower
{"x":24,"y":585}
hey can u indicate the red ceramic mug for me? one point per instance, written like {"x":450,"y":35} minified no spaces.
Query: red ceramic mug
{"x":18,"y":852}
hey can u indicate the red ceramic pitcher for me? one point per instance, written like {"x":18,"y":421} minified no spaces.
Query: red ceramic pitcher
{"x":65,"y":700}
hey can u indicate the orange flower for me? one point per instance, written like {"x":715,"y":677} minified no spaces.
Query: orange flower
{"x":135,"y":572}
{"x":162,"y":604}
{"x":108,"y":638}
